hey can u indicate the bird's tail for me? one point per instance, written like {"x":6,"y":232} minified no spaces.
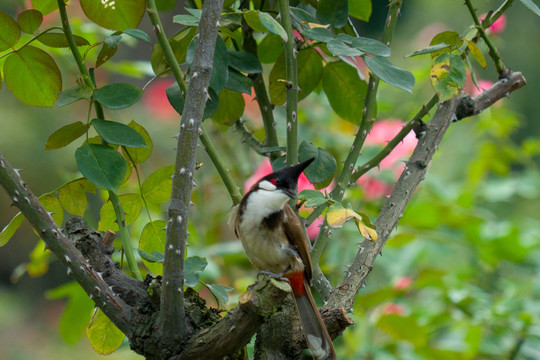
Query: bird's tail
{"x":317,"y":336}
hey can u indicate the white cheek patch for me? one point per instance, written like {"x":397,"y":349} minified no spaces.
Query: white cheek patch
{"x":267,"y":185}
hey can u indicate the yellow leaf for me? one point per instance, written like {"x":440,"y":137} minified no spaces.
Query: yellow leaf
{"x":337,"y":215}
{"x":315,"y":25}
{"x":366,"y":231}
{"x":103,"y":335}
{"x":475,"y":51}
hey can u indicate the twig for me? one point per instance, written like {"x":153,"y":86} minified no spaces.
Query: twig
{"x":492,"y":49}
{"x":367,"y":122}
{"x":344,"y":294}
{"x":90,"y":82}
{"x":250,"y":45}
{"x":212,"y":152}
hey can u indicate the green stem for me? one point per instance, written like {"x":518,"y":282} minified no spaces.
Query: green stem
{"x":263,"y":100}
{"x":376,"y":160}
{"x":124,"y":236}
{"x":292,"y":83}
{"x":30,"y":41}
{"x":492,"y":49}
{"x":165,"y":46}
{"x":211,"y":150}
{"x":73,"y":45}
{"x":367,"y":122}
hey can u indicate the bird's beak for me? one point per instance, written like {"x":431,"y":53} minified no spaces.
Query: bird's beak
{"x":290,"y":193}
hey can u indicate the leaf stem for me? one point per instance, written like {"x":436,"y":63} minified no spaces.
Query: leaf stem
{"x":292,"y":83}
{"x":124,"y":236}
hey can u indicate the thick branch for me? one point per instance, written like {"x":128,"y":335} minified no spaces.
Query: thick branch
{"x":84,"y":273}
{"x":172,"y":317}
{"x":344,"y":295}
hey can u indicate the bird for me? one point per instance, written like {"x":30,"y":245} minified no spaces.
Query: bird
{"x":275,"y":242}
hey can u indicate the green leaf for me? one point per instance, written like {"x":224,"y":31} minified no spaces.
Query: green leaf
{"x":312,"y":197}
{"x":244,"y":62}
{"x":319,"y":34}
{"x":52,"y":204}
{"x":322,"y":168}
{"x":59,"y":40}
{"x":476,"y":53}
{"x":340,"y":48}
{"x":131,"y":205}
{"x":230,"y":108}
{"x":138,"y":34}
{"x":387,"y":72}
{"x":165,"y":5}
{"x":448,"y":75}
{"x":65,"y":135}
{"x":73,"y":94}
{"x":105,"y":54}
{"x":333,"y":12}
{"x":155,"y":256}
{"x":152,"y":242}
{"x":186,"y":19}
{"x":73,"y":196}
{"x":9,"y":230}
{"x":429,"y":49}
{"x":272,"y":25}
{"x":220,"y":292}
{"x":269,"y":49}
{"x":310,"y":70}
{"x":9,"y":32}
{"x":102,"y":165}
{"x":29,"y":20}
{"x":360,"y":9}
{"x":157,"y":187}
{"x":45,"y":6}
{"x":77,"y":312}
{"x":371,"y":46}
{"x":254,"y":21}
{"x":139,"y":154}
{"x":238,"y":82}
{"x":302,"y":16}
{"x":220,"y":68}
{"x":531,"y":6}
{"x":39,"y":260}
{"x":33,"y":77}
{"x":103,"y":335}
{"x":118,"y":134}
{"x":403,"y":328}
{"x":115,"y":15}
{"x":174,"y":95}
{"x":193,"y":265}
{"x":345,"y":90}
{"x":118,"y":96}
{"x":448,"y":37}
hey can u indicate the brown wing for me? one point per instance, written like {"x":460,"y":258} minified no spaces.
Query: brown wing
{"x":234,"y":220}
{"x":297,"y":236}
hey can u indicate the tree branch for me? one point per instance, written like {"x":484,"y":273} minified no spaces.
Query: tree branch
{"x":84,"y":273}
{"x":172,"y":316}
{"x":344,"y":294}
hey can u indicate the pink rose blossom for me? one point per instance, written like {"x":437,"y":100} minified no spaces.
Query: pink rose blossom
{"x":156,"y":102}
{"x":382,"y":132}
{"x":395,"y":309}
{"x":482,"y":85}
{"x":403,"y":283}
{"x":497,"y":27}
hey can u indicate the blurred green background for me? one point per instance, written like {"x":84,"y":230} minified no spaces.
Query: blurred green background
{"x":459,"y":280}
